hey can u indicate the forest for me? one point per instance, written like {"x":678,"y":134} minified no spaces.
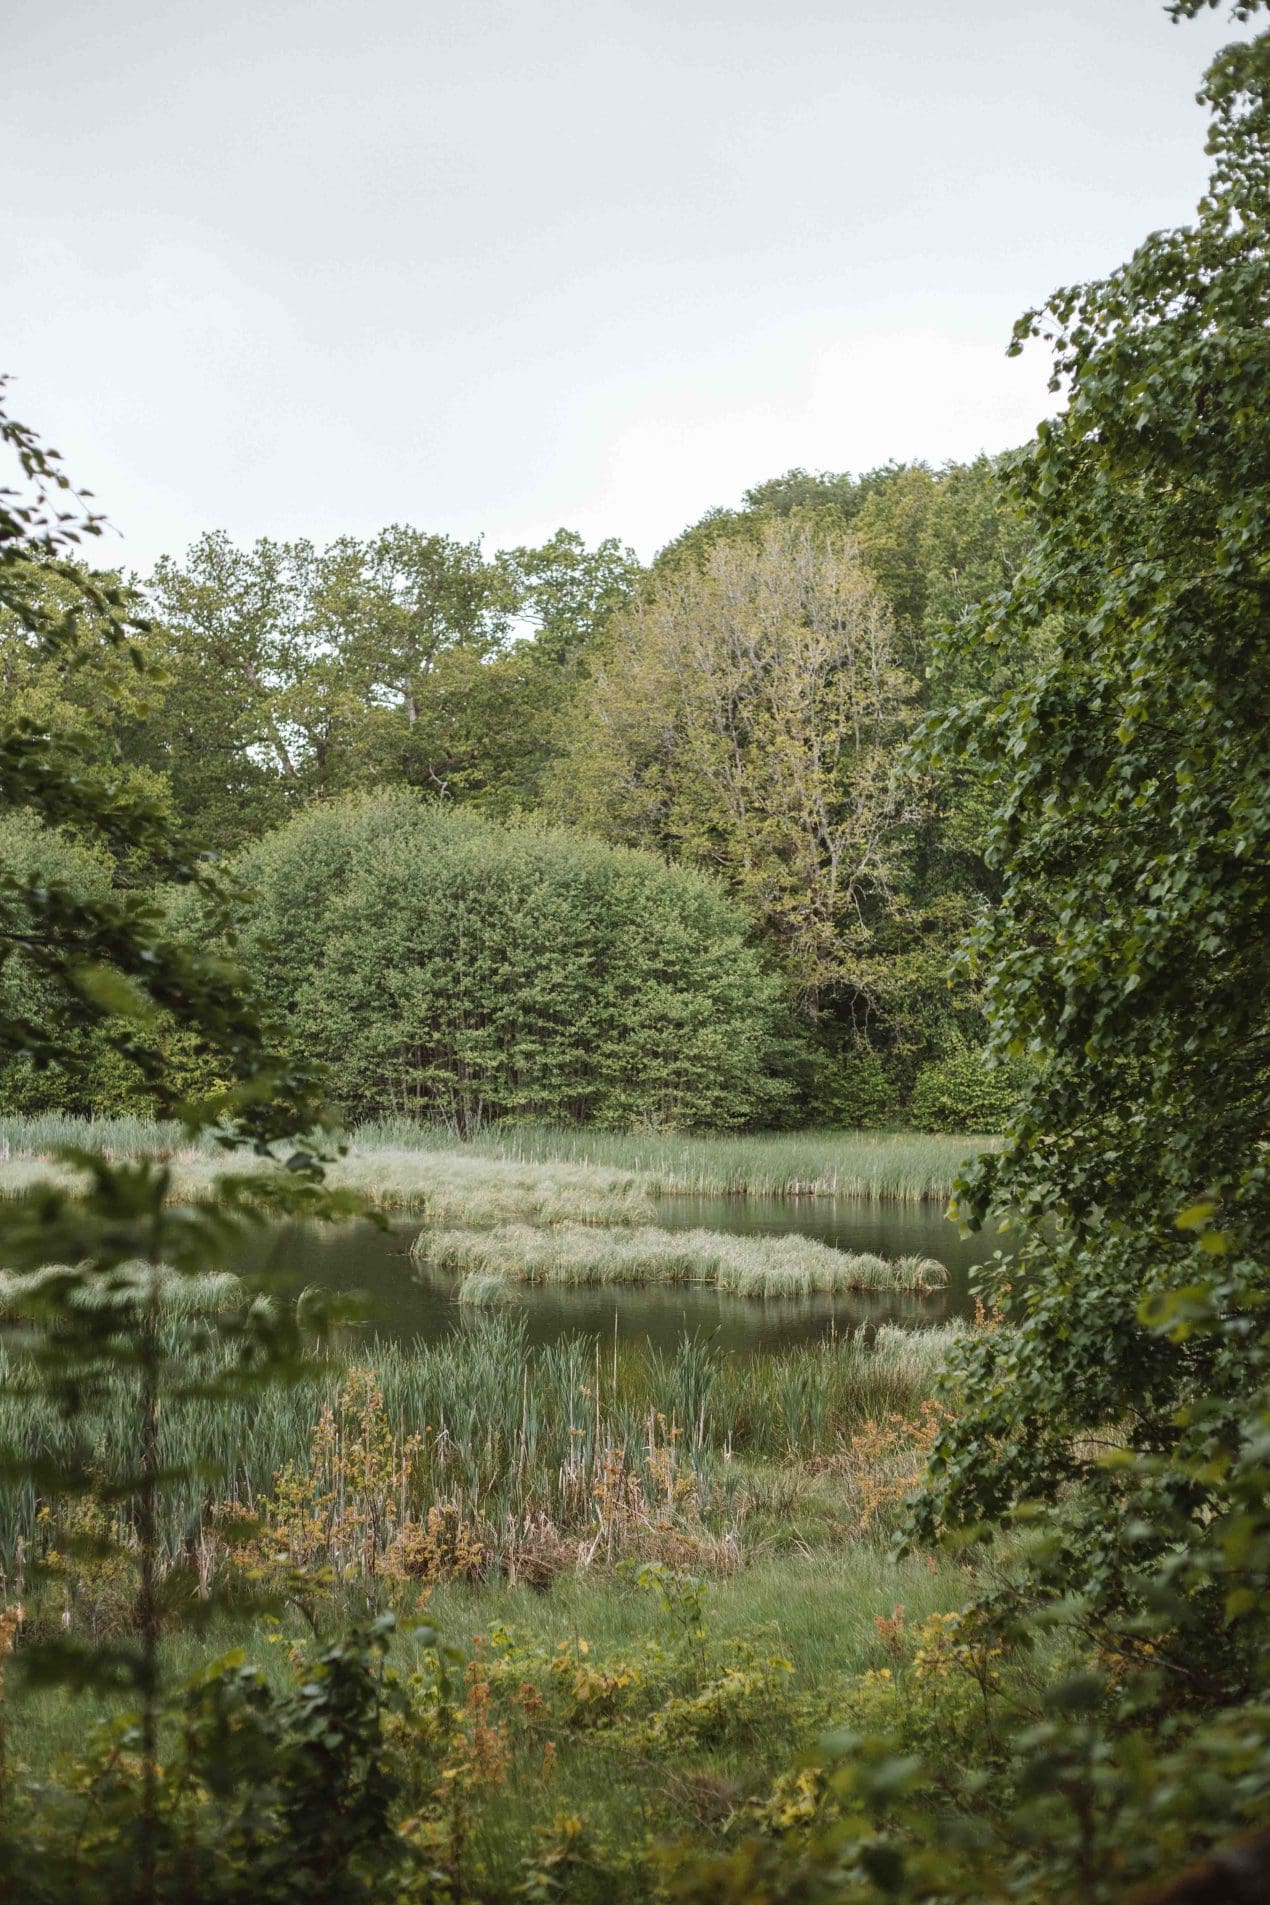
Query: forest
{"x":634,"y":1198}
{"x":741,"y":710}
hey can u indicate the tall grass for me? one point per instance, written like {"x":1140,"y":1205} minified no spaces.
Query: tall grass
{"x":761,"y":1266}
{"x":386,"y":1159}
{"x":42,"y":1132}
{"x":455,"y":1187}
{"x":910,"y":1167}
{"x":508,"y":1431}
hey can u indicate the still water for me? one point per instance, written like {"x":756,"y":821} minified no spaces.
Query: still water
{"x":405,"y":1300}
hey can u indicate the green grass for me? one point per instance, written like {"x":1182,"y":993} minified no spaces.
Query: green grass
{"x":758,"y":1266}
{"x":908,"y":1166}
{"x":386,"y":1160}
{"x":508,"y":1430}
{"x":820,"y":1608}
{"x":449,"y":1186}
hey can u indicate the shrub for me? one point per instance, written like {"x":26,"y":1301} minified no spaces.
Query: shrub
{"x":852,"y":1089}
{"x":444,"y":966}
{"x":960,"y":1093}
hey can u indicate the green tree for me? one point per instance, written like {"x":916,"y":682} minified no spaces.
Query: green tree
{"x":568,"y":593}
{"x":447,"y":967}
{"x":743,"y":717}
{"x":235,"y":648}
{"x":93,"y":688}
{"x":1129,"y":954}
{"x":91,"y":1267}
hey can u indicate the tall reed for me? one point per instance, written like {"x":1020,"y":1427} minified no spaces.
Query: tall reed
{"x":507,"y":1429}
{"x":910,"y":1167}
{"x":386,"y":1158}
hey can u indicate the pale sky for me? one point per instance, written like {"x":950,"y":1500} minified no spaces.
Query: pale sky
{"x":306,"y":267}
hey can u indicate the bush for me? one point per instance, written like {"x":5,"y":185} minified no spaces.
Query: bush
{"x":444,"y":966}
{"x":30,"y":850}
{"x":852,"y":1089}
{"x":959,"y":1092}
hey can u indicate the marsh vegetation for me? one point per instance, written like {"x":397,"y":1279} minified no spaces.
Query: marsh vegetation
{"x":492,"y":1261}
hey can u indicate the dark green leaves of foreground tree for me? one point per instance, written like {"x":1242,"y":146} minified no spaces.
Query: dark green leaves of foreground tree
{"x":1130,"y":954}
{"x":1124,"y":1421}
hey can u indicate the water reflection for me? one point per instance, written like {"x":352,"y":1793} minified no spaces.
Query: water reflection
{"x":407,"y":1301}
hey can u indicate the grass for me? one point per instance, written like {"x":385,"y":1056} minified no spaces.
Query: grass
{"x":761,"y":1266}
{"x":907,"y":1166}
{"x":820,"y":1608}
{"x":500,"y":1430}
{"x":449,"y":1186}
{"x":458,"y":1187}
{"x":387,"y":1162}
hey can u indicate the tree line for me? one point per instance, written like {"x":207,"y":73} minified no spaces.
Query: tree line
{"x":739,"y":707}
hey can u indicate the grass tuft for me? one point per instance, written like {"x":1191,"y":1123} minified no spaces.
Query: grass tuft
{"x":761,"y":1266}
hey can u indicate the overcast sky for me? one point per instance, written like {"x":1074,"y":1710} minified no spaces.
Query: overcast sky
{"x":311,"y":266}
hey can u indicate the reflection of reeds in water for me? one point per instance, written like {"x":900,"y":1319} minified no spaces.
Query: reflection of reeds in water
{"x":761,"y":1266}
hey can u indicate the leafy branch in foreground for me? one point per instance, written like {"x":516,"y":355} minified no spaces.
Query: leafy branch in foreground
{"x":1118,"y":1428}
{"x":91,"y":1268}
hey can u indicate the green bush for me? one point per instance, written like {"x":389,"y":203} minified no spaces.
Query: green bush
{"x":959,"y":1092}
{"x":852,"y":1089}
{"x":30,"y":850}
{"x":444,"y":966}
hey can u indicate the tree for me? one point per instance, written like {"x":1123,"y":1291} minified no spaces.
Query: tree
{"x":447,"y":967}
{"x":742,"y":719}
{"x":91,"y":1267}
{"x":236,"y":645}
{"x":1128,"y":956}
{"x":568,"y":593}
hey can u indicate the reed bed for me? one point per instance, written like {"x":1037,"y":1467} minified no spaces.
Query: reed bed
{"x":757,"y":1266}
{"x":454,"y":1187}
{"x":911,"y":1167}
{"x":463,"y":1187}
{"x":386,"y":1159}
{"x":501,"y":1431}
{"x":43,"y":1132}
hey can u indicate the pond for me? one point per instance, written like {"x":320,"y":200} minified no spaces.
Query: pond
{"x":406,"y":1301}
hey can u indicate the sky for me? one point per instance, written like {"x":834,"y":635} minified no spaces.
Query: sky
{"x":308,"y":267}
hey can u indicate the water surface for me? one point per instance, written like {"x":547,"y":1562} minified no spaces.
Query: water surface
{"x":407,"y":1301}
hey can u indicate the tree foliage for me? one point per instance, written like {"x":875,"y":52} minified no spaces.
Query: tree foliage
{"x":445,"y":966}
{"x":743,"y":718}
{"x":1129,"y":954}
{"x":85,"y":963}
